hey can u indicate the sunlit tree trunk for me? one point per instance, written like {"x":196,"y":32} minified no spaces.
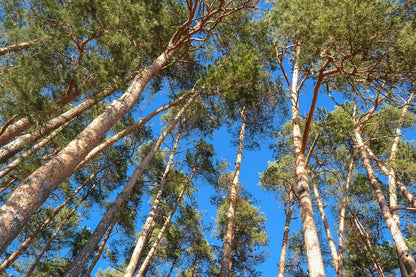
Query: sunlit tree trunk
{"x":147,"y":227}
{"x":152,"y":250}
{"x":331,"y":241}
{"x":227,"y":247}
{"x":313,"y":250}
{"x":282,"y":260}
{"x":401,"y":247}
{"x":35,"y":189}
{"x":344,"y":203}
{"x":122,"y":198}
{"x":17,"y":47}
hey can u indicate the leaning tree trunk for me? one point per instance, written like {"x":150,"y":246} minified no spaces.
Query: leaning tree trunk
{"x":147,"y":227}
{"x":35,"y":189}
{"x":162,"y":231}
{"x":227,"y":246}
{"x":313,"y":250}
{"x":100,"y":250}
{"x":403,"y":251}
{"x":122,"y":198}
{"x":282,"y":260}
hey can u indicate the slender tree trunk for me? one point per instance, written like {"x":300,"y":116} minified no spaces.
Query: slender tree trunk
{"x":392,"y":176}
{"x":30,"y":152}
{"x":340,"y":271}
{"x":368,"y":247}
{"x":35,"y":189}
{"x":402,"y":249}
{"x":313,"y":250}
{"x":100,"y":250}
{"x":16,"y":145}
{"x":16,"y":254}
{"x":331,"y":241}
{"x":409,"y":196}
{"x":172,"y":266}
{"x":164,"y":227}
{"x":110,"y":141}
{"x":227,"y":246}
{"x":58,"y":229}
{"x":147,"y":227}
{"x":285,"y":239}
{"x":122,"y":198}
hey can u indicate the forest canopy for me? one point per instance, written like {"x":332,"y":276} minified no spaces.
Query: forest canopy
{"x":128,"y":131}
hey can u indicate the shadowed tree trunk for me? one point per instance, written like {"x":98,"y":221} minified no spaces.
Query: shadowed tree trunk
{"x":100,"y":250}
{"x":227,"y":246}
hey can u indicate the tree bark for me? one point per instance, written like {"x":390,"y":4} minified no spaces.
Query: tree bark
{"x":332,"y":246}
{"x":110,"y":141}
{"x":122,"y":198}
{"x":403,"y":252}
{"x":313,"y":250}
{"x":35,"y":189}
{"x":17,"y":47}
{"x":227,"y":246}
{"x":164,"y":227}
{"x":147,"y":227}
{"x":344,"y":203}
{"x":30,"y":152}
{"x":282,"y":260}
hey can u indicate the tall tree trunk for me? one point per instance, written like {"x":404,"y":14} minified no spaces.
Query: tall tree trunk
{"x":401,"y":247}
{"x":332,"y":246}
{"x":100,"y":250}
{"x":344,"y":203}
{"x":35,"y":189}
{"x":122,"y":198}
{"x":147,"y":227}
{"x":282,"y":260}
{"x":16,"y":254}
{"x":392,"y":175}
{"x":164,"y":227}
{"x":227,"y":246}
{"x":313,"y":250}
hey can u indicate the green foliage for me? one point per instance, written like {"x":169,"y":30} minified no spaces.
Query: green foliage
{"x":249,"y":235}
